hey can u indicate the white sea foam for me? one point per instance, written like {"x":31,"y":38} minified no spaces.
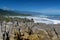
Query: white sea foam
{"x":44,"y":20}
{"x":40,"y":19}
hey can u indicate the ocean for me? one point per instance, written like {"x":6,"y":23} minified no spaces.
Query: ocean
{"x":47,"y":19}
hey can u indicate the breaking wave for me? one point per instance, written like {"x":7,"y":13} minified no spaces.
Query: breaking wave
{"x":42,"y":19}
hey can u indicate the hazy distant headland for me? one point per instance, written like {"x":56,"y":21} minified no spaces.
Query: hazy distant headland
{"x":12,"y":13}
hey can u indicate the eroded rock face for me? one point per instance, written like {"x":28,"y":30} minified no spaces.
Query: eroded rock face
{"x":34,"y":32}
{"x":33,"y":37}
{"x":39,"y":35}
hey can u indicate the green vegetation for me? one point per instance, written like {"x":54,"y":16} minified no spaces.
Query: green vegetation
{"x":9,"y":19}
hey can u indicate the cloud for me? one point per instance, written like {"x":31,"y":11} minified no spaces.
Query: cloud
{"x":5,"y":8}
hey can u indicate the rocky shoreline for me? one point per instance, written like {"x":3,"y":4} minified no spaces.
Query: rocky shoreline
{"x":26,"y":29}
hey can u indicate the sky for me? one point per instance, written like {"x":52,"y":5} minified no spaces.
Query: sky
{"x":42,"y":6}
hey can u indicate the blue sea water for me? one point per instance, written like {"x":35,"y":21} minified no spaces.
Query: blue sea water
{"x":53,"y":17}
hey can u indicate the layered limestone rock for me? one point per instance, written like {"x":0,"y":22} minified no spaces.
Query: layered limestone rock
{"x":34,"y":31}
{"x":39,"y":35}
